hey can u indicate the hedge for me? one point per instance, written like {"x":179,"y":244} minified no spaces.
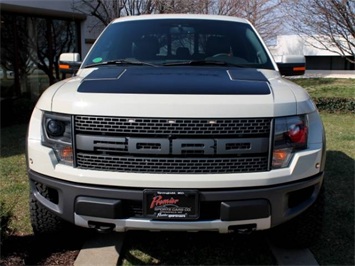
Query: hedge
{"x":335,"y":104}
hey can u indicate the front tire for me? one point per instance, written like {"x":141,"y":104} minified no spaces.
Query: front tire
{"x":42,"y":220}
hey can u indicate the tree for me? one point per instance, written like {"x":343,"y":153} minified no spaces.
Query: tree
{"x":103,"y":10}
{"x":49,"y":38}
{"x":30,"y":43}
{"x":14,"y":53}
{"x":326,"y":24}
{"x":265,"y":15}
{"x":107,"y":10}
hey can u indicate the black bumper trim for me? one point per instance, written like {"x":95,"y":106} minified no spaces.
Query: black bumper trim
{"x":276,"y":196}
{"x":98,"y":207}
{"x":245,"y":210}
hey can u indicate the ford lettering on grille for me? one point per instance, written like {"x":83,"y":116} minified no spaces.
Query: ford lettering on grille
{"x":163,"y":146}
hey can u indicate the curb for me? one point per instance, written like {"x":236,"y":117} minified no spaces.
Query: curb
{"x":285,"y":256}
{"x":105,"y":249}
{"x":101,"y":249}
{"x":346,"y":74}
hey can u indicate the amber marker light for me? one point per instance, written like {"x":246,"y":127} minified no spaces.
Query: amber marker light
{"x":66,"y":154}
{"x":281,"y":157}
{"x":299,"y":69}
{"x":62,"y":66}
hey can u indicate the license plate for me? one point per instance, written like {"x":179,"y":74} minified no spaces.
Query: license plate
{"x":171,"y":204}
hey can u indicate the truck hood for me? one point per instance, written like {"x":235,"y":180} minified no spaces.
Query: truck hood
{"x":176,"y":92}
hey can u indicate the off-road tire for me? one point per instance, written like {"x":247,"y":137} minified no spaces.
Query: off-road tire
{"x":43,"y":221}
{"x":302,"y":231}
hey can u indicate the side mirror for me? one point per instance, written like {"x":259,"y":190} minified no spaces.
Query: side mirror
{"x":292,"y":65}
{"x":69,"y":63}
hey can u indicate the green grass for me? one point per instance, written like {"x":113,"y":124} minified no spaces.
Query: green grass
{"x":327,"y":87}
{"x":340,"y":133}
{"x":336,"y":246}
{"x":14,"y":189}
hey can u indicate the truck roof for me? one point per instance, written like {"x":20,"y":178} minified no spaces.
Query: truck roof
{"x":181,"y":16}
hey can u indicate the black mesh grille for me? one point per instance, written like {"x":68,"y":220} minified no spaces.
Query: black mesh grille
{"x":103,"y":144}
{"x":166,"y":126}
{"x":171,"y":165}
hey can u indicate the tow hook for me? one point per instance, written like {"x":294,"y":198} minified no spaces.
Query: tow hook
{"x":101,"y":227}
{"x":245,"y":229}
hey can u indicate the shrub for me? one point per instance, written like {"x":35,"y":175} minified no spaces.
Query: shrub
{"x":335,"y":105}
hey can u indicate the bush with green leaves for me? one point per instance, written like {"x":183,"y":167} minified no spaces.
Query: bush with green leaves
{"x":332,"y":95}
{"x":335,"y":105}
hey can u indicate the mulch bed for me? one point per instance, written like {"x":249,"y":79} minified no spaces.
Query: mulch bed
{"x":47,"y":250}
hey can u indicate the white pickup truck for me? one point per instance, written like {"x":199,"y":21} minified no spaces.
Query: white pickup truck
{"x":178,"y":122}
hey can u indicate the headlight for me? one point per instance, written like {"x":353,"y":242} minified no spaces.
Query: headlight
{"x":57,"y":134}
{"x":55,"y":128}
{"x":291,"y":134}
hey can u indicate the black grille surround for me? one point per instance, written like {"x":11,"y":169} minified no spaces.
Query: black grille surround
{"x":195,"y":162}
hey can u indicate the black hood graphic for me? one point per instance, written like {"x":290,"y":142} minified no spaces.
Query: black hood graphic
{"x":175,"y":80}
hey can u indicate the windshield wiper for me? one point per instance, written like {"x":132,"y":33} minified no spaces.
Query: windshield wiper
{"x":201,"y":63}
{"x":120,"y":62}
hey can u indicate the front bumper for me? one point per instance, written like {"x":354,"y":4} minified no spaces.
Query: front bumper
{"x":221,"y":210}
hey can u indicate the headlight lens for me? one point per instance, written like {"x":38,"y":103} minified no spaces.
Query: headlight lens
{"x":291,"y":134}
{"x":57,"y":134}
{"x":55,"y":128}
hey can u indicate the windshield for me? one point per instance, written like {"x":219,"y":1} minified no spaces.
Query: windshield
{"x":179,"y":41}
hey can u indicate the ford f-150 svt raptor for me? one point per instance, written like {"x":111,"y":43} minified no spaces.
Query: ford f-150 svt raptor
{"x":178,"y":122}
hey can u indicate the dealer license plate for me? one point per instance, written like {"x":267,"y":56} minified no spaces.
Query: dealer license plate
{"x":171,"y":204}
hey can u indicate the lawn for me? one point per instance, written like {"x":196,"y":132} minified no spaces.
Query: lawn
{"x":336,"y":246}
{"x":14,"y":189}
{"x":328,"y":87}
{"x":337,"y":243}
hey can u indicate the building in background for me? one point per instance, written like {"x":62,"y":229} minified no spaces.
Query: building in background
{"x":316,"y":58}
{"x":33,"y":35}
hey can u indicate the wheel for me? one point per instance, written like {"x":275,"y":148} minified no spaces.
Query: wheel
{"x":302,"y":231}
{"x":42,"y":220}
